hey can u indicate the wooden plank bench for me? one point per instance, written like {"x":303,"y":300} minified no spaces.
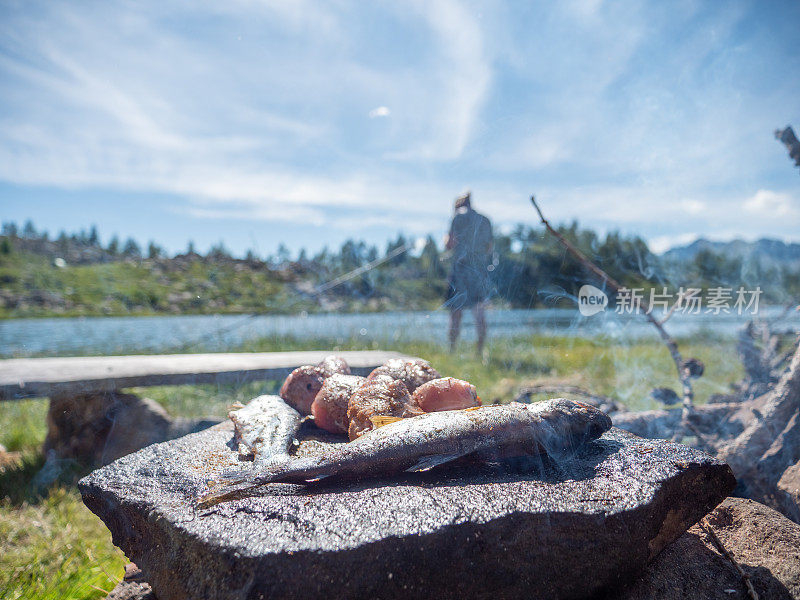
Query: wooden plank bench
{"x":25,"y":377}
{"x":91,"y":419}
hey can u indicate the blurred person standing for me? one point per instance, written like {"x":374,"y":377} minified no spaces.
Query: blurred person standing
{"x":471,"y":242}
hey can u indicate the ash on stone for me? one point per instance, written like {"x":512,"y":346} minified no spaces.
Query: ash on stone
{"x":539,"y":527}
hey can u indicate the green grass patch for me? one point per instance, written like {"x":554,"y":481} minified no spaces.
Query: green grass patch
{"x":55,"y":549}
{"x":23,"y":423}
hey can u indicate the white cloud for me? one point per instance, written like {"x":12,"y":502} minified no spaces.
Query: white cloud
{"x":771,"y":205}
{"x":260,"y":212}
{"x":615,"y":99}
{"x":125,"y":124}
{"x":692,"y":207}
{"x":380,"y":111}
{"x":461,"y":82}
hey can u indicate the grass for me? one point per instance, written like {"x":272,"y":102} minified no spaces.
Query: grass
{"x":51,"y":546}
{"x":55,"y":548}
{"x":135,"y":288}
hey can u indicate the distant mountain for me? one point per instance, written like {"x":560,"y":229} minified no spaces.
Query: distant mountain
{"x":764,"y":251}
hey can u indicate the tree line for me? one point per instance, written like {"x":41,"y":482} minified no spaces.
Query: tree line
{"x":529,"y":267}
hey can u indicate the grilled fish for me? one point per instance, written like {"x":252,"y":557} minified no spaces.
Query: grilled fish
{"x":265,"y":428}
{"x":426,"y":441}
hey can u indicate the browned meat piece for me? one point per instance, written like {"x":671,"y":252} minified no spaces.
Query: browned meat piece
{"x":330,"y":405}
{"x":411,"y":371}
{"x":446,"y":393}
{"x":334,"y":364}
{"x":303,"y":384}
{"x":378,"y":398}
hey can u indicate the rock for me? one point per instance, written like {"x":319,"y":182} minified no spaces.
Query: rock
{"x":790,"y":482}
{"x":735,"y":428}
{"x":9,"y":459}
{"x":100,"y":427}
{"x":139,"y":422}
{"x":125,"y":590}
{"x":541,"y":527}
{"x":135,"y":423}
{"x":132,"y":587}
{"x":789,"y":492}
{"x":78,"y":425}
{"x":764,"y":543}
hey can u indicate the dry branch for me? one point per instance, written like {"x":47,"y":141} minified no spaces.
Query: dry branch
{"x":683,"y":372}
{"x":706,"y":527}
{"x":782,"y":403}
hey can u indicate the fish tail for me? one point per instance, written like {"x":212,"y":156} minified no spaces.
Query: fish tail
{"x":233,"y":485}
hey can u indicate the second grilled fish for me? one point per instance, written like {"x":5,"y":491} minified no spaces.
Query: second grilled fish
{"x":265,"y":428}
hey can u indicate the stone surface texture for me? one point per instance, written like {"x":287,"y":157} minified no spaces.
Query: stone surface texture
{"x":764,"y":543}
{"x":564,"y":527}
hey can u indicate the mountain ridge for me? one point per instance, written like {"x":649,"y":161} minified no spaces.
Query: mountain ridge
{"x":762,"y":249}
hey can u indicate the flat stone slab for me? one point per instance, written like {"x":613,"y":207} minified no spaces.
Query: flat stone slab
{"x":538,"y":527}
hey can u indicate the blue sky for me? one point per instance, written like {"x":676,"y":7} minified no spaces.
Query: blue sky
{"x":261,"y":122}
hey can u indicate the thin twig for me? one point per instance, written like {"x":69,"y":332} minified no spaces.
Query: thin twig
{"x":324,"y":287}
{"x":706,"y":527}
{"x":361,"y":270}
{"x":669,"y":313}
{"x":672,"y":346}
{"x":99,"y":589}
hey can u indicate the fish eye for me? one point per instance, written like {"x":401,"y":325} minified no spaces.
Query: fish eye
{"x":308,"y":386}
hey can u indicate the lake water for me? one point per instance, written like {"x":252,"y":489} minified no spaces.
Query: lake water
{"x":106,"y":335}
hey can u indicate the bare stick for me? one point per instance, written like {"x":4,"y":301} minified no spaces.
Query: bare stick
{"x":706,"y":527}
{"x":612,"y":283}
{"x":669,"y":313}
{"x":672,"y":346}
